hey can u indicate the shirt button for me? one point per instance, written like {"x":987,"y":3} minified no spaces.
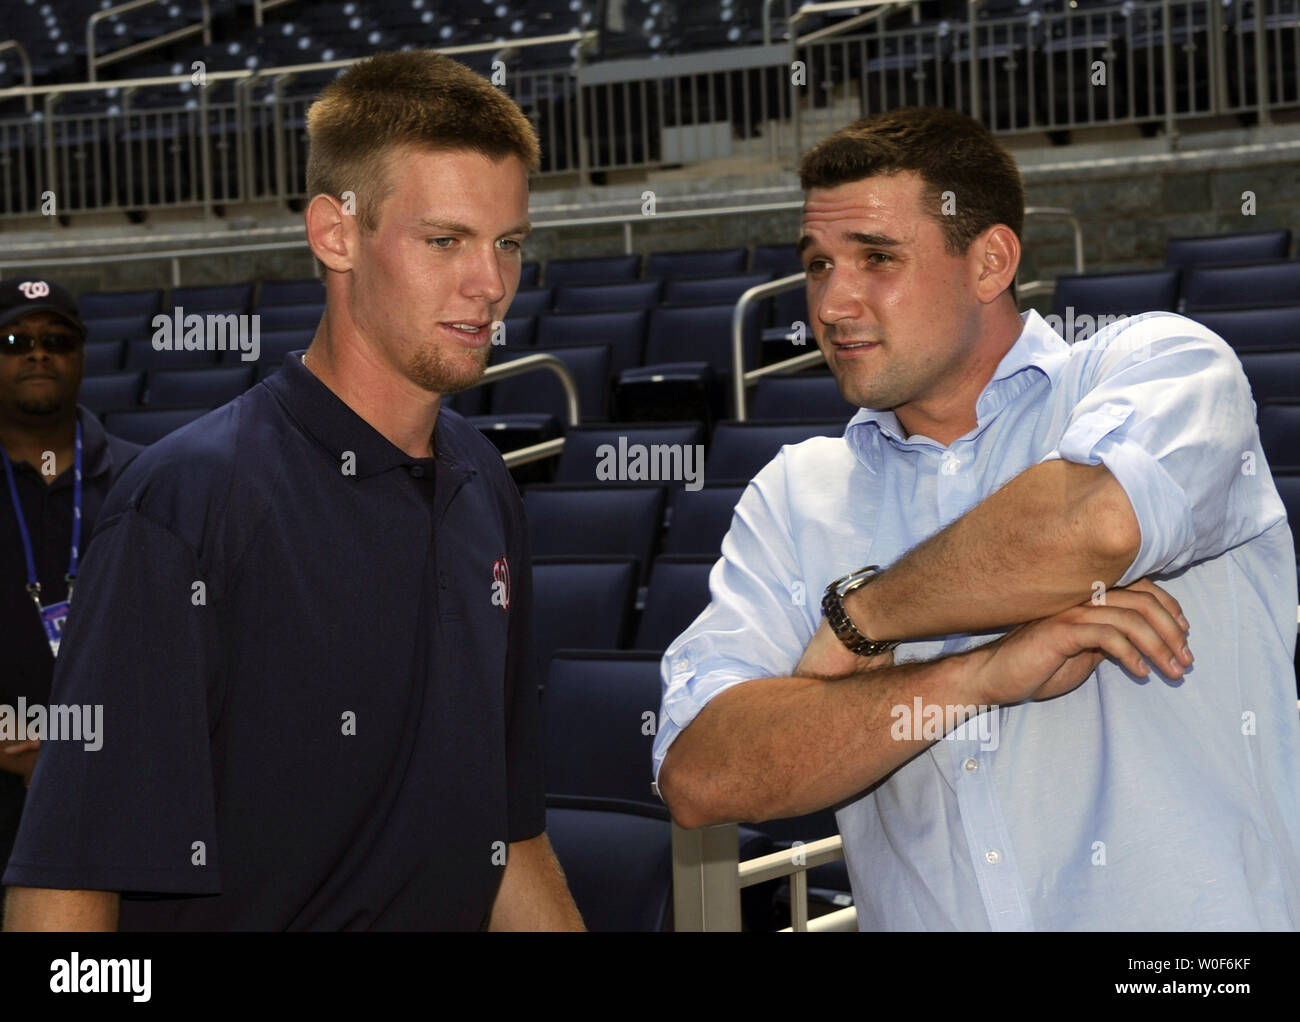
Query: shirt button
{"x":950,"y":463}
{"x":992,"y":857}
{"x":971,"y":765}
{"x":417,"y":471}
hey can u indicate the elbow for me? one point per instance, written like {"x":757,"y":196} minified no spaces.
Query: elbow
{"x":684,"y":789}
{"x":1117,"y":536}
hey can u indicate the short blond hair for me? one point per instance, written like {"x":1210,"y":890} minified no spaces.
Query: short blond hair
{"x":417,"y":98}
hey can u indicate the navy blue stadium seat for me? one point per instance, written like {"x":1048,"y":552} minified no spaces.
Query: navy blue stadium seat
{"x":602,"y":270}
{"x":1276,"y":326}
{"x":187,"y":388}
{"x":272,"y":347}
{"x":292,"y":292}
{"x":1219,"y":287}
{"x":141,"y":354}
{"x":513,"y":430}
{"x":110,"y":392}
{"x":678,"y":591}
{"x":1272,"y":374}
{"x":602,"y":521}
{"x":805,"y":396}
{"x":624,"y":332}
{"x":1279,"y":433}
{"x":530,"y":302}
{"x":1248,"y":247}
{"x":594,"y":718}
{"x":698,"y":333}
{"x":699,"y":519}
{"x":712,"y":290}
{"x":120,"y":328}
{"x":118,"y":304}
{"x":588,"y":448}
{"x":636,"y":294}
{"x":147,"y":425}
{"x":277,"y":318}
{"x":206,"y":298}
{"x":1116,"y":294}
{"x":581,"y":603}
{"x":696,"y":263}
{"x":740,"y":449}
{"x":780,"y":260}
{"x":542,"y":391}
{"x":518,"y":332}
{"x":1288,"y":488}
{"x":619,"y":867}
{"x":101,"y":357}
{"x":528,"y":273}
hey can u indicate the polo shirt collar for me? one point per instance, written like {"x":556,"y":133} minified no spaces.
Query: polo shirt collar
{"x":1038,"y":348}
{"x":338,"y":429}
{"x":96,"y":456}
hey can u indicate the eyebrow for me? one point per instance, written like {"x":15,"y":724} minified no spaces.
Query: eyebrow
{"x":874,"y":240}
{"x":456,"y":227}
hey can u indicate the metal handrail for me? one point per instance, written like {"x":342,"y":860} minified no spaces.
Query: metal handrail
{"x":881,"y":9}
{"x":92,"y":62}
{"x":261,"y":6}
{"x":14,"y":44}
{"x":528,"y":364}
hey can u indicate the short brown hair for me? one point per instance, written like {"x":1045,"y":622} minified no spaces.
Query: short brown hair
{"x":418,"y":98}
{"x":947,"y":149}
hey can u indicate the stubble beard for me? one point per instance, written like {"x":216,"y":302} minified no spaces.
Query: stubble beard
{"x":438,"y":374}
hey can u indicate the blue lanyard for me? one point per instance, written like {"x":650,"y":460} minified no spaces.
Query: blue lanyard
{"x":33,"y":583}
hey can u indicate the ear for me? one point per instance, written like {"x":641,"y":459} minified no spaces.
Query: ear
{"x":998,"y":252}
{"x":331,"y":233}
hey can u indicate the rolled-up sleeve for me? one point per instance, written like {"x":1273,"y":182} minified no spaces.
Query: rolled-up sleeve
{"x":1167,"y":409}
{"x":758,"y":621}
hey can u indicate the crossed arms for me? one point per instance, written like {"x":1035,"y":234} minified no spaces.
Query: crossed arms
{"x":1031,"y":552}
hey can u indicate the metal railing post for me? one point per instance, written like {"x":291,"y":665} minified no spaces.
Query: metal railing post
{"x":738,"y":333}
{"x":706,"y":885}
{"x":975,"y":97}
{"x":1261,"y":61}
{"x":1171,"y":129}
{"x":17,"y":47}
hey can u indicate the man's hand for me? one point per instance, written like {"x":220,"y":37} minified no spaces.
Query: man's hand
{"x":827,"y":657}
{"x":20,"y":758}
{"x":1054,"y":655}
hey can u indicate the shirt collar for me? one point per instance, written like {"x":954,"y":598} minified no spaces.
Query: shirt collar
{"x":1038,"y":347}
{"x":339,"y":430}
{"x":96,"y":455}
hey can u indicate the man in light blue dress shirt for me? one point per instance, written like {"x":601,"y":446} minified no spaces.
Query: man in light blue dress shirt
{"x":1061,"y":528}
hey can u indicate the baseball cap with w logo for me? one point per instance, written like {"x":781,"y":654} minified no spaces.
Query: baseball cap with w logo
{"x":20,"y":296}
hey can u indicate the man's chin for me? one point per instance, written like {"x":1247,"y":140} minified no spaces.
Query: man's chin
{"x":40,"y":409}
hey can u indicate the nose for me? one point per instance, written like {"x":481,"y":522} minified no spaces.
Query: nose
{"x":836,"y":298}
{"x":484,"y":279}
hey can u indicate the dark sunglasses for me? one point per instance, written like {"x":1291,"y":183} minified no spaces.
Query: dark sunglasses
{"x":56,"y":342}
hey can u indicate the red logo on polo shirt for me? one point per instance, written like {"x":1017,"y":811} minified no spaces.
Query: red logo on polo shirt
{"x":501,"y":583}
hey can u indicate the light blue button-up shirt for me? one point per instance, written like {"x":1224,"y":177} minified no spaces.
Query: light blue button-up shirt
{"x":1128,"y":803}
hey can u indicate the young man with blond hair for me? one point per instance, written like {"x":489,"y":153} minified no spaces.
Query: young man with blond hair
{"x":312,"y":624}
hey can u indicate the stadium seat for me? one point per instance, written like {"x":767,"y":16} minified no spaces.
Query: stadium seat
{"x":589,"y":448}
{"x":141,"y":354}
{"x":1249,"y":247}
{"x":1116,"y":294}
{"x":779,"y":260}
{"x":619,"y":867}
{"x":1279,"y":434}
{"x":205,"y":298}
{"x":1288,"y":488}
{"x":604,"y":270}
{"x":1272,"y":374}
{"x":111,"y":392}
{"x":528,"y":273}
{"x":699,"y":519}
{"x":698,"y":333}
{"x":101,"y":357}
{"x":272,"y":346}
{"x":1220,"y":287}
{"x":147,"y":425}
{"x":678,"y":592}
{"x":594,"y":718}
{"x":711,"y":263}
{"x":1246,"y":329}
{"x":741,"y":449}
{"x":292,"y":292}
{"x":278,"y":318}
{"x":187,"y":388}
{"x":581,"y":603}
{"x":636,"y":294}
{"x":519,"y":332}
{"x":542,"y":391}
{"x":119,"y":304}
{"x":530,"y":302}
{"x":606,"y":521}
{"x":624,"y":332}
{"x":712,"y":290}
{"x":805,"y":396}
{"x":119,"y":328}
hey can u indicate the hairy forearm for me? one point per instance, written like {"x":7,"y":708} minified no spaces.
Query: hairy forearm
{"x":780,"y":747}
{"x":38,"y":908}
{"x":1051,"y":538}
{"x":533,"y":894}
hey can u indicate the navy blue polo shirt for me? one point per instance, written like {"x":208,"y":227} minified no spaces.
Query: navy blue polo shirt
{"x":26,"y":664}
{"x":314,"y":657}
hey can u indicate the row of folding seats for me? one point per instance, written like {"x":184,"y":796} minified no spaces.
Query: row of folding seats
{"x":1193,"y":291}
{"x":107,"y":305}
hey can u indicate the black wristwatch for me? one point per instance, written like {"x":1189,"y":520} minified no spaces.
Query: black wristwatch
{"x":838,"y":618}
